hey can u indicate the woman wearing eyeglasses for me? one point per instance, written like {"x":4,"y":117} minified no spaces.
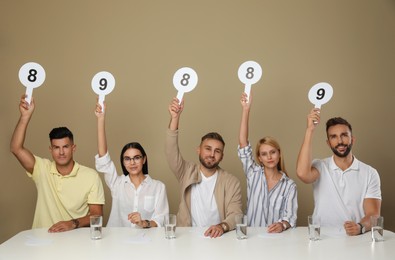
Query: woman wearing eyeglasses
{"x":137,"y":199}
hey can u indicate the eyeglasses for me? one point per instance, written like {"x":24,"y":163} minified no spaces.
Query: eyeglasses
{"x":135,"y":159}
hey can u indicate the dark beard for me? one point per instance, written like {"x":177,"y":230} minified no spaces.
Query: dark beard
{"x":210,"y":167}
{"x":342,"y":155}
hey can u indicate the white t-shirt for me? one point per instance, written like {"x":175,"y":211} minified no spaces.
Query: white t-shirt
{"x":339,"y":195}
{"x":204,"y":208}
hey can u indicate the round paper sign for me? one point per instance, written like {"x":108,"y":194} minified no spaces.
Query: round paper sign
{"x":103,"y":83}
{"x":250,"y":72}
{"x":31,"y":75}
{"x":320,"y":94}
{"x":184,"y":80}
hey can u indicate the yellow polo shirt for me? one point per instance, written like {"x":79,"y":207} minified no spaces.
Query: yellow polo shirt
{"x":61,"y":198}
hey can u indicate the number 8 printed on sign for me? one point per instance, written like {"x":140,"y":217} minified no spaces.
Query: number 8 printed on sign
{"x":31,"y":75}
{"x":250,"y":72}
{"x":184,"y":80}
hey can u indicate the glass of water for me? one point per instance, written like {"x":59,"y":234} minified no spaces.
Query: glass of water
{"x":170,"y":226}
{"x":96,"y":223}
{"x":241,"y":226}
{"x":377,"y":224}
{"x":314,"y":227}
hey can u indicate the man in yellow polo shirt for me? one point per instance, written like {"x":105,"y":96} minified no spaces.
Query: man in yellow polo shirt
{"x":67,"y":192}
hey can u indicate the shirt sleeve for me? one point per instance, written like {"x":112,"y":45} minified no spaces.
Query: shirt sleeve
{"x":245,"y":155}
{"x":316,"y":163}
{"x":174,"y":158}
{"x":161,"y":206}
{"x":96,"y":194}
{"x":233,"y":202}
{"x":374,"y":190}
{"x":105,"y":165}
{"x":40,"y":165}
{"x":291,"y":206}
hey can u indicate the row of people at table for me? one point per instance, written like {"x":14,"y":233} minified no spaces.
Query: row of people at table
{"x":346,"y":190}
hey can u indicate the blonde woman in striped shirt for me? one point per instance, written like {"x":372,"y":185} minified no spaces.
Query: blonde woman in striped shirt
{"x":271,"y":194}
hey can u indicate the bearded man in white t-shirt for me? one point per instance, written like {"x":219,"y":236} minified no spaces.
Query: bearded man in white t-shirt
{"x":210,"y":196}
{"x":346,"y":191}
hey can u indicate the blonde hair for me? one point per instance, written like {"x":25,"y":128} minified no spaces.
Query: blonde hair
{"x":272,"y":142}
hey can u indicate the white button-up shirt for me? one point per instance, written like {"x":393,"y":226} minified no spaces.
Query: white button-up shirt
{"x":149,"y":199}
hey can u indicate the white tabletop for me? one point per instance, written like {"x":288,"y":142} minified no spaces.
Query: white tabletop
{"x":147,"y":244}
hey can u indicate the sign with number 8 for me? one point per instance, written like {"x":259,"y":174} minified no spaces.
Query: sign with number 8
{"x":184,"y":80}
{"x":31,"y":75}
{"x":250,"y":72}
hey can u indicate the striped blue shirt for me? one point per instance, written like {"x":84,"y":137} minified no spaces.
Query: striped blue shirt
{"x":266,"y":207}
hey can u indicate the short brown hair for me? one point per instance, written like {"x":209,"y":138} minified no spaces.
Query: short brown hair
{"x":337,"y":121}
{"x":215,"y":136}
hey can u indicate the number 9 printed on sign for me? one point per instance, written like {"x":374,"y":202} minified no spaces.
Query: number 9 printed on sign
{"x":320,"y":94}
{"x":31,"y":75}
{"x":103,"y":83}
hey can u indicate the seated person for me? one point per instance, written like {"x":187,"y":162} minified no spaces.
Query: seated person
{"x":67,"y":192}
{"x":137,"y":199}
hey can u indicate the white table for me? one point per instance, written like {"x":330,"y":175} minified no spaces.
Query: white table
{"x":147,"y":244}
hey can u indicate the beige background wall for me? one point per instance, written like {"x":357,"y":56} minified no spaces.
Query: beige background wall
{"x":350,"y":44}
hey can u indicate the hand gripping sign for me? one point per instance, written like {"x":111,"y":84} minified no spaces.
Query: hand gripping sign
{"x":31,"y":75}
{"x":184,"y":80}
{"x":103,"y":83}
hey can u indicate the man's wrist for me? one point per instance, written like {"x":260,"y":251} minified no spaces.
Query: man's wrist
{"x":76,"y":223}
{"x":224,"y":226}
{"x":362,"y":228}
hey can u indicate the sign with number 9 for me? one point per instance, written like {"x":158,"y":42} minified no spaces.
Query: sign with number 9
{"x":103,"y":83}
{"x":320,"y":94}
